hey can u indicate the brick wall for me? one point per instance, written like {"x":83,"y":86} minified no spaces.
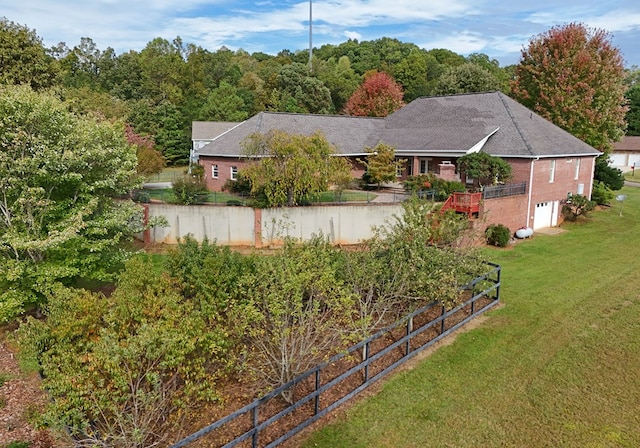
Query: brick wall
{"x":513,"y":211}
{"x":224,"y":165}
{"x":510,"y":211}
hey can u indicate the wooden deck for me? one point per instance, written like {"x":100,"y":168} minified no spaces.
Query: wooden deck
{"x":467,"y":203}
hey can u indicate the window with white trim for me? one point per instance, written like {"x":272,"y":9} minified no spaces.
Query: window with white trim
{"x":577,"y":173}
{"x":234,"y":172}
{"x":552,"y":171}
{"x":214,"y":171}
{"x":399,"y":168}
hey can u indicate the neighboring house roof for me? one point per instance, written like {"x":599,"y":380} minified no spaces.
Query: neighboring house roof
{"x":208,"y":130}
{"x":628,"y":143}
{"x":428,"y":126}
{"x":350,"y":135}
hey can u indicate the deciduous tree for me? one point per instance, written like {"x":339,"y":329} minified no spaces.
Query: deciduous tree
{"x":23,"y":59}
{"x":382,"y":165}
{"x":59,"y":174}
{"x":466,"y":78}
{"x":286,"y":168}
{"x":378,"y":96}
{"x":484,"y":168}
{"x":150,"y":160}
{"x":298,"y":91}
{"x":300,"y":312}
{"x":573,"y":76}
{"x":633,"y":97}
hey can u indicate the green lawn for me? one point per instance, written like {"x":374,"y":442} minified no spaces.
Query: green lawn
{"x":215,"y":197}
{"x":169,"y":174}
{"x":558,"y":365}
{"x":632,"y":176}
{"x":345,"y":196}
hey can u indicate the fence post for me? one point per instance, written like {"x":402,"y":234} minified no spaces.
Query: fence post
{"x":254,"y":439}
{"x":317,"y":401}
{"x":409,"y":330}
{"x":473,"y":301}
{"x":442,"y":326}
{"x":366,"y":361}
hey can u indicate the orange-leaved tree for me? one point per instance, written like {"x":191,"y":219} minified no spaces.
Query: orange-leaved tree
{"x":573,"y":76}
{"x":378,"y":96}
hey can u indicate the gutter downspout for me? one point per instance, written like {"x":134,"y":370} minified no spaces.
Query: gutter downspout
{"x":593,"y":172}
{"x":533,"y":162}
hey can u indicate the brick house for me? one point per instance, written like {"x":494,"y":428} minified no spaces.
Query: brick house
{"x":431,"y":133}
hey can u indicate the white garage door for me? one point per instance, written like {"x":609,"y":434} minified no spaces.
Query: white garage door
{"x":634,"y":159}
{"x":618,"y":159}
{"x":542,"y":217}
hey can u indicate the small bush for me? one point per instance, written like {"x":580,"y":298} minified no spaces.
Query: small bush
{"x":601,"y":194}
{"x":141,"y":196}
{"x":187,"y":189}
{"x":576,"y":206}
{"x":240,"y":185}
{"x":441,"y":188}
{"x":498,"y":235}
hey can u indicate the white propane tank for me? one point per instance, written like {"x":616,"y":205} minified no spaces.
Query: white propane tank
{"x":524,"y":232}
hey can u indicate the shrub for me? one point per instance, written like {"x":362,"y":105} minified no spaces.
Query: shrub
{"x":498,"y":235}
{"x":577,"y":205}
{"x":612,"y":177}
{"x":186,"y":189}
{"x":116,"y":368}
{"x":441,"y":188}
{"x":601,"y":194}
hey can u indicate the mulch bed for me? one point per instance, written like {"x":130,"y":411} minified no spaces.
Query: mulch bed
{"x":238,"y":395}
{"x":21,"y":396}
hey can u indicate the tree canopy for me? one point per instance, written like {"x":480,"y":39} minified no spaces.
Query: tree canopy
{"x":466,"y":78}
{"x":285,"y":168}
{"x":59,"y":173}
{"x":378,"y":96}
{"x":484,"y":168}
{"x":23,"y":59}
{"x":382,"y":165}
{"x":633,"y":97}
{"x":573,"y":76}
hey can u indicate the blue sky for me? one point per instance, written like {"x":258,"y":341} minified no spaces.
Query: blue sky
{"x":498,"y":29}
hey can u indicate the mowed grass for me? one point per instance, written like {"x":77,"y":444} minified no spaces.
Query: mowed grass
{"x":214,"y":197}
{"x":557,"y":365}
{"x":168,"y":174}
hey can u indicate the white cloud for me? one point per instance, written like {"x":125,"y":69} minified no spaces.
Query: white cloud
{"x":462,"y":43}
{"x":352,"y":35}
{"x":463,"y":26}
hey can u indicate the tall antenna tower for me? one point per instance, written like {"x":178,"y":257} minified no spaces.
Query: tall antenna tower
{"x":310,"y":34}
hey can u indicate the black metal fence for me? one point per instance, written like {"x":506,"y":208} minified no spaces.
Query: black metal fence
{"x":500,"y":191}
{"x":328,"y":385}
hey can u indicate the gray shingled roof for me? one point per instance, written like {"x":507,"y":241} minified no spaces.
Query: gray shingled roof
{"x":449,"y":124}
{"x":208,"y":130}
{"x":351,"y":135}
{"x":428,"y":126}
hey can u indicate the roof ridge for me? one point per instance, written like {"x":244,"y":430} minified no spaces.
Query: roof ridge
{"x":307,"y":114}
{"x":515,"y":123}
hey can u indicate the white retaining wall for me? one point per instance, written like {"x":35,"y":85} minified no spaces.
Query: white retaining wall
{"x":244,"y":226}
